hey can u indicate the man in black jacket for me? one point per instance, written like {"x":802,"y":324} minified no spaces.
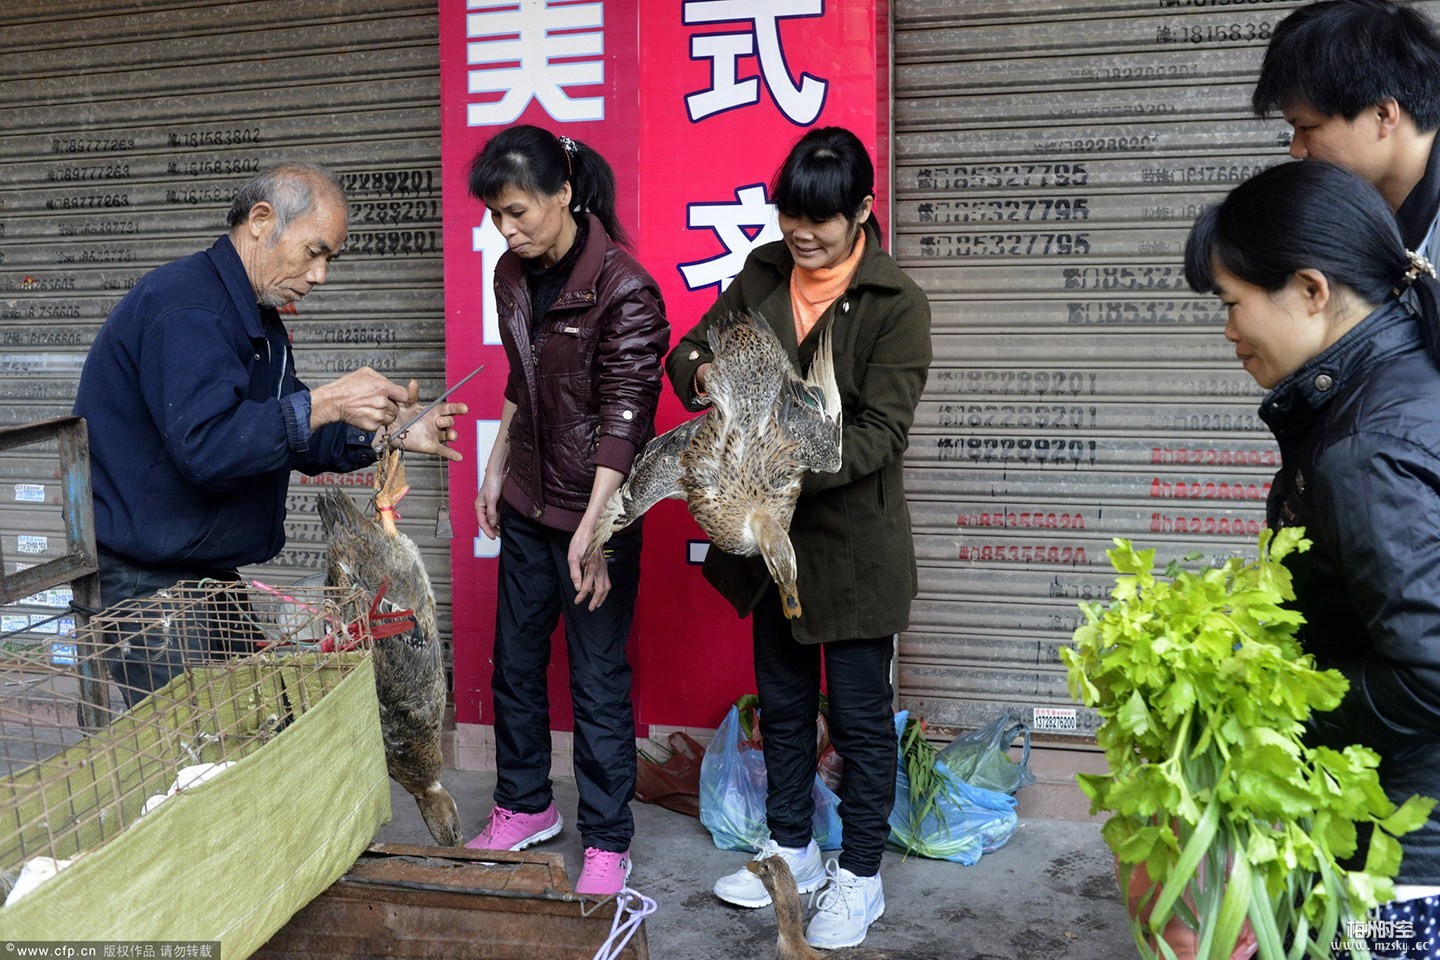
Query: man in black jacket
{"x":196,"y":416}
{"x":1359,"y":82}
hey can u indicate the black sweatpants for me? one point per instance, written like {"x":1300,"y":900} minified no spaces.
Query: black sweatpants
{"x":862,"y":728}
{"x":534,"y":590}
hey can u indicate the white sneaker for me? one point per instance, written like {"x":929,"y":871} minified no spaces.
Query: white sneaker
{"x":745,"y":889}
{"x":845,"y":909}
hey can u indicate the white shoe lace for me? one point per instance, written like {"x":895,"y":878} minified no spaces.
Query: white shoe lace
{"x":835,"y":896}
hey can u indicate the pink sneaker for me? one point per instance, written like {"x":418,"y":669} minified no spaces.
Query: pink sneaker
{"x":509,"y":830}
{"x":604,"y":873}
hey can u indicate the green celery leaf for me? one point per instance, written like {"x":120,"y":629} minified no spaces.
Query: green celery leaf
{"x":1261,"y":848}
{"x":1368,"y":890}
{"x":1383,"y":857}
{"x":1337,"y":834}
{"x":1139,"y":845}
{"x":1134,"y":716}
{"x":1271,"y":794}
{"x":1411,"y":815}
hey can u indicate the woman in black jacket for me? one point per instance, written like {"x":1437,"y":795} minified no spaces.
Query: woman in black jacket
{"x":1307,"y":259}
{"x":584,"y":329}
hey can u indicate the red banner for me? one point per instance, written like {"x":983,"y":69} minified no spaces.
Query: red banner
{"x":694,"y":103}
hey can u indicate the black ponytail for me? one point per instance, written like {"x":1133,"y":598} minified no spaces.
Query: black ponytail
{"x":1427,"y":299}
{"x":537,"y":162}
{"x":594,"y":185}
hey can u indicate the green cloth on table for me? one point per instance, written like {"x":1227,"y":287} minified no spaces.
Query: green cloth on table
{"x":232,"y":859}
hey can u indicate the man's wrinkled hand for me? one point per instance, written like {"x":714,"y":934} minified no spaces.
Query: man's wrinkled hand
{"x":361,"y":398}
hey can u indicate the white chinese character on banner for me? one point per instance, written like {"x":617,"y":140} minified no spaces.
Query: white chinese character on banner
{"x":487,"y":241}
{"x":525,"y":36}
{"x":729,"y":221}
{"x":486,"y":433}
{"x":801,"y":104}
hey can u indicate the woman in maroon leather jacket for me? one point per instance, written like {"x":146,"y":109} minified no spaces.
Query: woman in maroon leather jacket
{"x":584,"y":329}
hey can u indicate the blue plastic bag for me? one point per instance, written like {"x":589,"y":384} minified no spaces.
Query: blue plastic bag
{"x":966,"y":822}
{"x":982,"y":757}
{"x":733,"y":786}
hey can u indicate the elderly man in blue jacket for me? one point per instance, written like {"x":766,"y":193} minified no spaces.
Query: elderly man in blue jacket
{"x":196,"y":416}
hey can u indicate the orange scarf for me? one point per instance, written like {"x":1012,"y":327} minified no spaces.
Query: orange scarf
{"x":812,"y":291}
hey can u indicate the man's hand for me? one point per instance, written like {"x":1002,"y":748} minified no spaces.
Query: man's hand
{"x":435,"y":429}
{"x":362,"y":398}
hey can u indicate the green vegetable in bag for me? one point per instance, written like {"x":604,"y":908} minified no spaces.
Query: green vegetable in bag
{"x":982,"y":757}
{"x":938,"y":815}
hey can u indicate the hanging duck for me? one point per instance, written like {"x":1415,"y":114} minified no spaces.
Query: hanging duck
{"x":409,"y":670}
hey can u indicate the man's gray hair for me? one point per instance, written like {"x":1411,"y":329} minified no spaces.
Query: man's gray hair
{"x":289,"y":188}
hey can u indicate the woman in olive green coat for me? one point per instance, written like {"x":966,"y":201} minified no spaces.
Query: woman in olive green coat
{"x":851,"y":529}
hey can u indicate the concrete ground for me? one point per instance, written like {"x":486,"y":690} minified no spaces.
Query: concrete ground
{"x":1048,"y":894}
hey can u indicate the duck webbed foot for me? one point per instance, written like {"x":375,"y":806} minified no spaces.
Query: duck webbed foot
{"x":390,"y":488}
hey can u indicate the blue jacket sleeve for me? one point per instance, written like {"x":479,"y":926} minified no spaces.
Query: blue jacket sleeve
{"x":338,"y":447}
{"x":221,"y":422}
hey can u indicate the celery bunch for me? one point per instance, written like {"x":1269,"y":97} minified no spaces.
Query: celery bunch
{"x":1203,"y":693}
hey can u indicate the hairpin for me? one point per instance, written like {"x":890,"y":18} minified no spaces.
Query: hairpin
{"x":569,"y":147}
{"x":1418,"y":265}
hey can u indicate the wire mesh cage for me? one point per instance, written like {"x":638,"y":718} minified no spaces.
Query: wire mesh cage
{"x":155,"y":695}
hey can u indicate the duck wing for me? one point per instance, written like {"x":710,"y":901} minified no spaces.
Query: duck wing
{"x":810,"y":414}
{"x":654,"y":476}
{"x":349,"y":536}
{"x":360,"y":554}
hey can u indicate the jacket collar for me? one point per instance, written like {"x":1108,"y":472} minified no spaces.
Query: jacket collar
{"x":226,"y":258}
{"x":1417,"y":212}
{"x":580,"y":288}
{"x":875,"y":269}
{"x":1298,"y":400}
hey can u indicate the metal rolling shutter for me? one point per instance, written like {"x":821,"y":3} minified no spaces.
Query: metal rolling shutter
{"x":123,"y":137}
{"x":1049,"y":160}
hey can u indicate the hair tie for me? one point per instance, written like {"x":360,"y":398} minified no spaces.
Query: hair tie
{"x":569,"y":147}
{"x":1417,"y":266}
